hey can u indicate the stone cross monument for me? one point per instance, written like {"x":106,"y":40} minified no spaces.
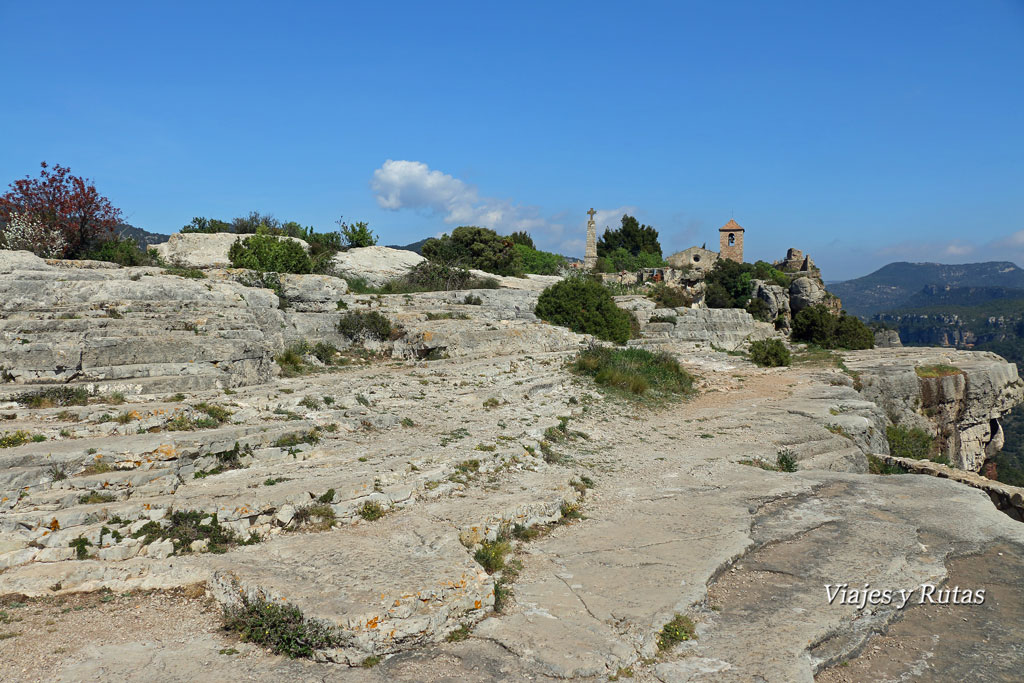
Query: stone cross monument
{"x":590,"y":258}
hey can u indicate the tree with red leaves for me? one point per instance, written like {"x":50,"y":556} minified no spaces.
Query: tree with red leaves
{"x":63,"y":205}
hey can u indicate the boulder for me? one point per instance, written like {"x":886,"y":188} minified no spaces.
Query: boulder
{"x":375,"y":265}
{"x":202,"y":250}
{"x":807,"y":291}
{"x":313,"y":293}
{"x":887,"y":339}
{"x":11,"y":261}
{"x":775,"y":297}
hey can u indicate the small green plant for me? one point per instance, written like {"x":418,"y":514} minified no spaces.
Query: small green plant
{"x":491,"y":555}
{"x":124,"y":418}
{"x":634,"y":371}
{"x":320,"y":515}
{"x":458,"y":635}
{"x":274,"y":480}
{"x":878,"y":466}
{"x":116,"y":398}
{"x":785,"y":461}
{"x":664,"y":319}
{"x":472,"y":300}
{"x":183,"y":271}
{"x":365,"y":325}
{"x":215,"y":412}
{"x":492,"y":402}
{"x":327,"y":497}
{"x":310,"y":402}
{"x":679,"y":630}
{"x":290,"y":440}
{"x":913,"y":442}
{"x":370,"y":662}
{"x":97,"y":468}
{"x":371,"y":511}
{"x":14,"y":439}
{"x":176,"y":398}
{"x":938,"y":370}
{"x":447,"y":316}
{"x":468,"y":466}
{"x":81,"y":545}
{"x":282,"y":628}
{"x":96,"y":497}
{"x":183,"y":527}
{"x":407,"y":422}
{"x":55,"y":397}
{"x":57,"y":472}
{"x":770,"y":353}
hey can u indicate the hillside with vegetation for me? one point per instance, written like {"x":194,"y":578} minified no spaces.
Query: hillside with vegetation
{"x":896,"y":284}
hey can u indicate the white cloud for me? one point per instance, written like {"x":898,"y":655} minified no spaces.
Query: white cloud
{"x":1014,"y":240}
{"x":413,"y":185}
{"x":957,"y":249}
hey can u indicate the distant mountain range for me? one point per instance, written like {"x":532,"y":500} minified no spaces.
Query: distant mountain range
{"x":900,"y":285}
{"x":415,"y":246}
{"x":145,"y":238}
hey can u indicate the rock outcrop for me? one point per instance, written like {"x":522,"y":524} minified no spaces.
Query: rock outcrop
{"x":807,"y":291}
{"x":131,"y":329}
{"x":958,"y":396}
{"x":380,"y":496}
{"x":202,"y":250}
{"x":375,"y":265}
{"x":776,"y":298}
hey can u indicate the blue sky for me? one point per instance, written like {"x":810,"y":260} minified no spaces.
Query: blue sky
{"x":861,"y":132}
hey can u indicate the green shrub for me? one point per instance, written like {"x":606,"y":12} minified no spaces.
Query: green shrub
{"x":759,"y":309}
{"x":357,"y":235}
{"x":913,"y":443}
{"x":371,"y":511}
{"x":663,"y":319}
{"x":785,"y":461}
{"x":290,"y":440}
{"x":584,"y":306}
{"x":474,"y":247}
{"x":817,"y":325}
{"x":938,"y":370}
{"x":14,"y":439}
{"x":182,"y":271}
{"x":186,"y":526}
{"x":878,"y":466}
{"x":426,"y":276}
{"x":730,"y":284}
{"x":678,"y":630}
{"x":55,"y":396}
{"x":282,"y":628}
{"x":491,"y":555}
{"x":669,"y":297}
{"x":123,"y":251}
{"x":540,"y":262}
{"x":362,"y":325}
{"x":769,"y":353}
{"x":621,"y":260}
{"x":635,"y":371}
{"x":270,"y":253}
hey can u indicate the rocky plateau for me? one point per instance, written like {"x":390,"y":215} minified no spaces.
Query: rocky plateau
{"x":362,"y":492}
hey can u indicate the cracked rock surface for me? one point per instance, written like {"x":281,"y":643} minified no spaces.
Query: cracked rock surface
{"x":373,"y":527}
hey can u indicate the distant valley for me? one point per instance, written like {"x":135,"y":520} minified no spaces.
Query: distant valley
{"x":976,"y":306}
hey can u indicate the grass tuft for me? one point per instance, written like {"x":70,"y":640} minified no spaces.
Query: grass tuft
{"x":635,"y":372}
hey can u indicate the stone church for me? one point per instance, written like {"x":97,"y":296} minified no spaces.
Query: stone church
{"x":730,"y":245}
